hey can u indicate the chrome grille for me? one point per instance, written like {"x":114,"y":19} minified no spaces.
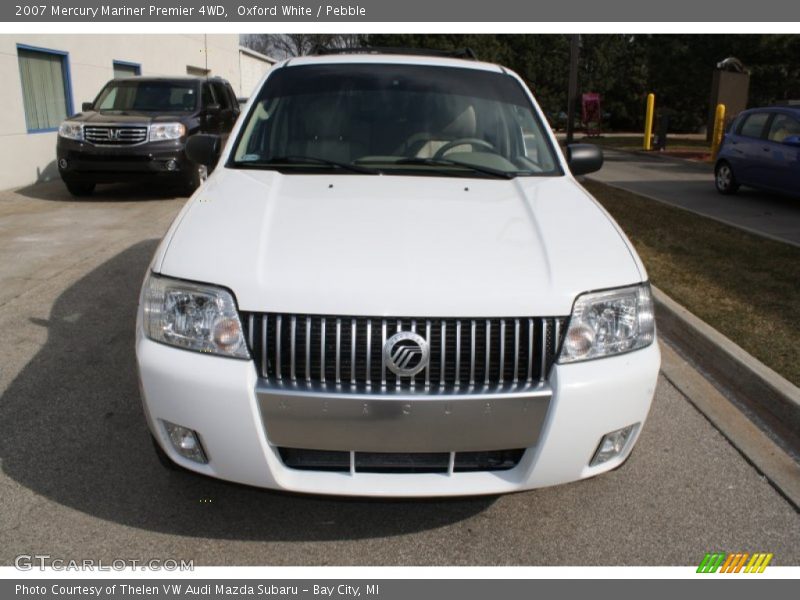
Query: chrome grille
{"x":339,"y":352}
{"x":113,"y":135}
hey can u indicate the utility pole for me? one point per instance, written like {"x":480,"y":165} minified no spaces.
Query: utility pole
{"x":574,"y":50}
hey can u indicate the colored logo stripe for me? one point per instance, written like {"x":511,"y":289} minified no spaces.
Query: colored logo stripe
{"x":711,"y":562}
{"x":758,"y":563}
{"x":734,"y":563}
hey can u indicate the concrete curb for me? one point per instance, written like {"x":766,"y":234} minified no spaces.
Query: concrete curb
{"x":727,"y":363}
{"x":782,"y":471}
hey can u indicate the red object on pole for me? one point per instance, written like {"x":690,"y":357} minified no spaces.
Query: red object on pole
{"x":591,"y":113}
{"x":574,"y":51}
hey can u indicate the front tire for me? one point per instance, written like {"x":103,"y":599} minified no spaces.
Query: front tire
{"x":194,"y":178}
{"x":79,"y":189}
{"x":724,"y":179}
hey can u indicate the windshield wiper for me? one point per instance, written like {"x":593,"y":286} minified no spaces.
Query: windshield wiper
{"x":446,"y":162}
{"x":288,"y":161}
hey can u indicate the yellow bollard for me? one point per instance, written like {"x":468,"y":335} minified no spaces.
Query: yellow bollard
{"x":648,"y":121}
{"x":719,"y":130}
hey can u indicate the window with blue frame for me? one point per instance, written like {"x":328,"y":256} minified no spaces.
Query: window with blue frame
{"x":126,"y":69}
{"x":45,"y":87}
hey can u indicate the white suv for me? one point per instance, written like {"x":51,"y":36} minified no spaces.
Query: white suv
{"x":392,"y":285}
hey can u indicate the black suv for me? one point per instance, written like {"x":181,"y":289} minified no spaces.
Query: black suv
{"x":137,"y":128}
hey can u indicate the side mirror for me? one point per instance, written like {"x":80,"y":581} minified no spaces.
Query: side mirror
{"x":792,"y":140}
{"x":87,"y":106}
{"x":584,"y":158}
{"x":213,"y":109}
{"x":203,"y":149}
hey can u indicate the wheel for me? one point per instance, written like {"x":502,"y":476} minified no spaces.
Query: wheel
{"x":474,"y":142}
{"x":163,"y":458}
{"x":196,"y":175}
{"x":724,"y":179}
{"x":79,"y":188}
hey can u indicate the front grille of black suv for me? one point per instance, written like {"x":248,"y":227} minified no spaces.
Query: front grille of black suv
{"x":113,"y":135}
{"x":346,"y":353}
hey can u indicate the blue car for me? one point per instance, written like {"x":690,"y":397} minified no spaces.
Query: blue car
{"x":762,"y":150}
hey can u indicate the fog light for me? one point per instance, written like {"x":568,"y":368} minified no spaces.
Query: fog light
{"x":172,"y":165}
{"x":613,"y":444}
{"x":62,"y":163}
{"x":185,"y":442}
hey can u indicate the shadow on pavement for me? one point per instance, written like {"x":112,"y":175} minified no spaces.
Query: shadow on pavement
{"x":72,"y":429}
{"x":56,"y":191}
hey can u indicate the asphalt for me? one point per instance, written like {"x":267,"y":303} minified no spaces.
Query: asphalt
{"x":79,"y":479}
{"x":691,"y":186}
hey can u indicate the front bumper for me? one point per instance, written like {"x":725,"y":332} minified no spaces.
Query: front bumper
{"x":402,"y":422}
{"x":222,"y":400}
{"x":83,"y":161}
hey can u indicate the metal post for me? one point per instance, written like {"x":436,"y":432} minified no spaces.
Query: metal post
{"x":648,"y":122}
{"x":719,"y":129}
{"x":574,"y":50}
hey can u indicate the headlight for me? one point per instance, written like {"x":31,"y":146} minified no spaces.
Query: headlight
{"x":166,"y":131}
{"x":192,"y":316}
{"x":71,"y":130}
{"x":608,"y":323}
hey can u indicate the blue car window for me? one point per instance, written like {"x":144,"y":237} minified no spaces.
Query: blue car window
{"x":782,"y":127}
{"x":753,"y":125}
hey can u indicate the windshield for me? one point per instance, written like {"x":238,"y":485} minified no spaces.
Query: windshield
{"x":386,"y":118}
{"x":149,"y":96}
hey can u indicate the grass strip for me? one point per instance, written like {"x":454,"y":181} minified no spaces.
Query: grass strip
{"x":745,"y":286}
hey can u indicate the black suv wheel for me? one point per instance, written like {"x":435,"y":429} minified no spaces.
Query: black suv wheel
{"x":194,"y":178}
{"x":79,"y":188}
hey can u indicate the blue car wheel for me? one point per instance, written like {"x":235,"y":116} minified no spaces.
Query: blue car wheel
{"x":724,"y":178}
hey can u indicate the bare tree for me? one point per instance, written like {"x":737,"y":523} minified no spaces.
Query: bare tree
{"x":286,"y":45}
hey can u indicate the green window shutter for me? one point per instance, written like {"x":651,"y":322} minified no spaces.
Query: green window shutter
{"x":43,"y":88}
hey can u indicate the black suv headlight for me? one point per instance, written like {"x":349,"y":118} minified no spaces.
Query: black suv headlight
{"x":166,"y":131}
{"x":71,"y":130}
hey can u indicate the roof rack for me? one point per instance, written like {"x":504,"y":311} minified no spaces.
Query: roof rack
{"x":465,"y":53}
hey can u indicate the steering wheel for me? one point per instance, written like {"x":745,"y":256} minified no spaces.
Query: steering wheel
{"x":474,"y":142}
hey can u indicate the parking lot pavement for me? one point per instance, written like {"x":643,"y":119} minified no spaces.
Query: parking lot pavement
{"x":79,"y":478}
{"x":691,"y":186}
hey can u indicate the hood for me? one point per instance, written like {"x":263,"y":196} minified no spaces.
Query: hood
{"x":398,"y":245}
{"x":124,"y":117}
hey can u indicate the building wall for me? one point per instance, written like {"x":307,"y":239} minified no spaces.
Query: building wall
{"x":251,"y":71}
{"x":25,"y":157}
